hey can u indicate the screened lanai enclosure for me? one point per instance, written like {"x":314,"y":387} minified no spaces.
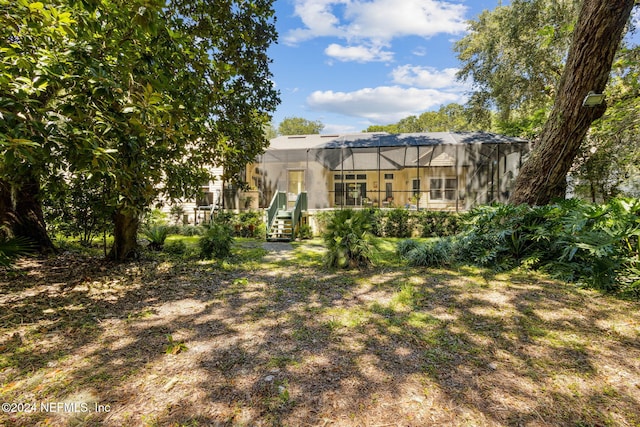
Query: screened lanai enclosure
{"x":436,"y":171}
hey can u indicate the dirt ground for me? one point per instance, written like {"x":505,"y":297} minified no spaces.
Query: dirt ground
{"x":267,"y":340}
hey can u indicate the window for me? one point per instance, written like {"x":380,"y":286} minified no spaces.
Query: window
{"x":450,"y":188}
{"x":350,"y":177}
{"x":388,"y":176}
{"x":361,"y":176}
{"x":355,"y":193}
{"x":339,"y":193}
{"x":388,"y":193}
{"x":443,"y":188}
{"x":337,"y":177}
{"x":416,"y":187}
{"x":436,"y":189}
{"x":296,"y":182}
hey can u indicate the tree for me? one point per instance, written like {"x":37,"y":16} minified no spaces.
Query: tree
{"x":299,"y":126}
{"x":607,"y":163}
{"x":595,"y":41}
{"x":449,"y":118}
{"x":32,"y":41}
{"x":514,"y":56}
{"x":141,"y":95}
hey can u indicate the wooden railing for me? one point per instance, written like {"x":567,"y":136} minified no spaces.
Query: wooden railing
{"x":296,"y":216}
{"x":278,"y":202}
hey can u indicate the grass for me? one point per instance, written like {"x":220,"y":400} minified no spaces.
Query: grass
{"x":273,"y":338}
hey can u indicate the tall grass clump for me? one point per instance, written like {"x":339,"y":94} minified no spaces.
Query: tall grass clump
{"x":434,"y":253}
{"x":348,"y":239}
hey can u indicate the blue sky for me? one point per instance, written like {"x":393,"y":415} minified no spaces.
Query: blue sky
{"x":354,"y":63}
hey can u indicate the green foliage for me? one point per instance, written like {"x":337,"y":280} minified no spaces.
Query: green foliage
{"x":156,"y":234}
{"x":11,"y":248}
{"x":449,"y":118}
{"x":596,"y":245}
{"x":299,"y":126}
{"x":176,"y":247}
{"x":515,"y":54}
{"x":83,"y":92}
{"x":348,"y":239}
{"x":397,"y":223}
{"x":305,"y":232}
{"x":438,"y":223}
{"x":434,"y":253}
{"x":248,"y":224}
{"x":191,"y":230}
{"x":405,"y":223}
{"x":217,"y":241}
{"x":76,"y":207}
{"x":608,"y":163}
{"x":174,"y":347}
{"x":177,"y":214}
{"x":405,"y":246}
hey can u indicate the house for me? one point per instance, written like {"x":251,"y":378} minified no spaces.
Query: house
{"x":436,"y":171}
{"x":197,"y":211}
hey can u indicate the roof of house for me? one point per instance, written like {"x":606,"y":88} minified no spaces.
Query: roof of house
{"x":383,"y":139}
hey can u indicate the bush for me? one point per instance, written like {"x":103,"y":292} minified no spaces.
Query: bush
{"x":191,"y":230}
{"x":596,"y":245}
{"x":397,"y":223}
{"x":405,"y":246}
{"x":305,"y":231}
{"x":430,"y":254}
{"x":348,"y":239}
{"x":176,"y":247}
{"x":217,"y":241}
{"x":438,"y":223}
{"x":156,"y":234}
{"x":247,"y":224}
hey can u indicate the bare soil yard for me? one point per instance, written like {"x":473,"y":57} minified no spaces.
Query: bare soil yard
{"x":275,"y":340}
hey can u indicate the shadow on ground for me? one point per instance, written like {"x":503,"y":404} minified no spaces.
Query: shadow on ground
{"x":284,"y":342}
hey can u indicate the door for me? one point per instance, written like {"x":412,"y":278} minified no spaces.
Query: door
{"x":295,"y":182}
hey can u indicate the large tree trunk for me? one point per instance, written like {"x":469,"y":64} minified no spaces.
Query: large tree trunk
{"x":21,"y":212}
{"x":595,"y":41}
{"x":125,"y":242}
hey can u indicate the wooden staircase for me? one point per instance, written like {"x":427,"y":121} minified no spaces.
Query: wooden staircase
{"x":282,"y":223}
{"x":282,"y":228}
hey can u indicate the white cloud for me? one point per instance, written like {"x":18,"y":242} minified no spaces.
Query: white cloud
{"x":387,"y":19}
{"x":420,"y":51}
{"x":358,"y":53}
{"x":376,"y":21}
{"x":330,"y":128}
{"x":427,"y":77}
{"x":385,"y":104}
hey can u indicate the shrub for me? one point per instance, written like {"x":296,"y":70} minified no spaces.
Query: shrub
{"x":247,"y":224}
{"x":397,"y":223}
{"x":176,"y":247}
{"x":305,"y":231}
{"x":596,"y":245}
{"x":348,"y":239}
{"x":405,"y":246}
{"x":191,"y":230}
{"x":217,"y":241}
{"x":430,"y":254}
{"x":438,"y":223}
{"x":156,"y":234}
